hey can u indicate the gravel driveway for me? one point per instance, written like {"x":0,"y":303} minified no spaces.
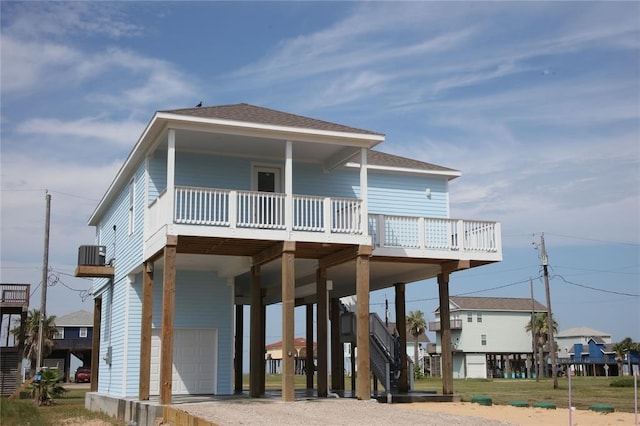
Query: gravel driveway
{"x":323,"y":412}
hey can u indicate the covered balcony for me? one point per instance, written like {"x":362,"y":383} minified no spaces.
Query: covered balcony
{"x":223,"y":213}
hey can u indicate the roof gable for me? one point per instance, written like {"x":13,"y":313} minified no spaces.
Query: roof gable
{"x":395,"y":162}
{"x":75,"y":319}
{"x":254,"y":114}
{"x":582,"y":332}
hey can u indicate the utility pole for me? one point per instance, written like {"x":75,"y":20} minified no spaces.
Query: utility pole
{"x":536,"y":366}
{"x":552,"y":346}
{"x":45,"y":278}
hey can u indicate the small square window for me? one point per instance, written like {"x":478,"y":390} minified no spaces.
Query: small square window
{"x":479,"y":316}
{"x":483,"y":339}
{"x":469,"y":317}
{"x":83,"y":331}
{"x":59,"y":333}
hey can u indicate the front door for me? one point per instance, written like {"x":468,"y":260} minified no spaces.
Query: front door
{"x":269,"y":208}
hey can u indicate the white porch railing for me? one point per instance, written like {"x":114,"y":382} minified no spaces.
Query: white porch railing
{"x":434,"y":234}
{"x":269,"y":211}
{"x":265,"y":210}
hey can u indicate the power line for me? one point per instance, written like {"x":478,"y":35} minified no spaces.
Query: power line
{"x":594,"y":288}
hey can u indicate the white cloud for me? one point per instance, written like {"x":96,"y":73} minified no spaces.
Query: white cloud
{"x":55,"y":19}
{"x":123,"y":133}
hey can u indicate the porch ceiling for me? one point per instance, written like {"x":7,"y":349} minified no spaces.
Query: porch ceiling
{"x":268,"y":148}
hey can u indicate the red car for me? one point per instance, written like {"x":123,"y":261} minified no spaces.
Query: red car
{"x":83,"y":374}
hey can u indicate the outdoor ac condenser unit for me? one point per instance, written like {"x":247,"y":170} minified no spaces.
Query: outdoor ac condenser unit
{"x":92,"y":255}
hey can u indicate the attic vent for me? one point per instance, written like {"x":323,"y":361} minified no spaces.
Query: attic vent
{"x":92,"y":255}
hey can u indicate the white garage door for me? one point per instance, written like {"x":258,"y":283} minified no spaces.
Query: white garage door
{"x":476,"y":366}
{"x":195,"y":357}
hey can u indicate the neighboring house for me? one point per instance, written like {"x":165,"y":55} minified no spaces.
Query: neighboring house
{"x":274,"y":356}
{"x":14,"y":307}
{"x":74,"y":334}
{"x":566,"y":339}
{"x":220,"y":207}
{"x":591,"y":358}
{"x":589,"y":352}
{"x":488,"y":336}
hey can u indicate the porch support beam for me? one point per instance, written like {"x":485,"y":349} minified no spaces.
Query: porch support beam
{"x":364,"y":208}
{"x":401,"y":326}
{"x":171,"y":169}
{"x":145,"y":332}
{"x":256,"y":356}
{"x":288,"y":186}
{"x":337,"y":349}
{"x":344,"y":255}
{"x":273,"y":252}
{"x":95,"y":342}
{"x":309,"y":346}
{"x":263,"y":342}
{"x":238,"y":344}
{"x":454,"y":265}
{"x":363,"y":389}
{"x":322,"y":321}
{"x":445,"y":334}
{"x":288,"y":329}
{"x":168,"y":311}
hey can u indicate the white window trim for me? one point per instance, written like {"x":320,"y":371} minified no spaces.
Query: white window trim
{"x":131,"y":207}
{"x":59,"y":333}
{"x":83,"y":332}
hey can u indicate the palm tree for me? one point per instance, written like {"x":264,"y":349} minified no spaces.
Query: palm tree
{"x":31,"y":338}
{"x":621,"y":349}
{"x":48,"y":387}
{"x":541,"y":333}
{"x":417,"y":325}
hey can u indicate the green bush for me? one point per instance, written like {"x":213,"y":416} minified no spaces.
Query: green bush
{"x":417,"y":372}
{"x":15,"y":412}
{"x":624,"y":382}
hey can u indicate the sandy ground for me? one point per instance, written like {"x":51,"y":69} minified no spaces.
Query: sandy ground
{"x":352,"y":412}
{"x":526,"y":416}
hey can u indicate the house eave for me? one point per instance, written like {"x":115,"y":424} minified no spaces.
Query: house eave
{"x":450,"y":174}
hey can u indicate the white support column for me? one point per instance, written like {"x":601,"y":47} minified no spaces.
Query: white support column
{"x":146,"y":231}
{"x":171,"y":170}
{"x":364,"y":208}
{"x":288,"y":187}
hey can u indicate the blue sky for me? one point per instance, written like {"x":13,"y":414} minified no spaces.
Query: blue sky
{"x":536,"y":103}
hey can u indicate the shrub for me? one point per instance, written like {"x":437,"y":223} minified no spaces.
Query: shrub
{"x":625,"y":382}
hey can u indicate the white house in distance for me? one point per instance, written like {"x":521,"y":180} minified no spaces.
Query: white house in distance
{"x":488,"y":336}
{"x":220,"y":207}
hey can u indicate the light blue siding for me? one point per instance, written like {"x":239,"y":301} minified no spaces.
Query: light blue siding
{"x":406,"y":195}
{"x":157,"y":165}
{"x":203,"y":300}
{"x":126,"y":250}
{"x":211,"y":171}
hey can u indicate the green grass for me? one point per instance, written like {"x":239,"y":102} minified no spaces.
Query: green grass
{"x":586,"y":391}
{"x":70,"y":406}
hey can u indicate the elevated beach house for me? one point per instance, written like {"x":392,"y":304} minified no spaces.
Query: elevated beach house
{"x":220,"y":207}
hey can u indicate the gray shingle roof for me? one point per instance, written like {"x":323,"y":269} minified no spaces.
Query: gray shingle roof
{"x":377,"y":158}
{"x":260,"y":115}
{"x":582,"y":332}
{"x":75,"y":319}
{"x":497,"y":303}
